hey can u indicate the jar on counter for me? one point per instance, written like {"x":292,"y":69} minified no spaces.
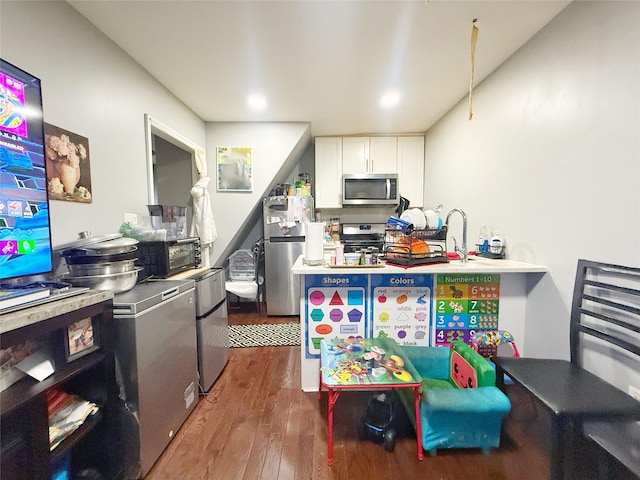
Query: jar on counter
{"x":375,"y":254}
{"x":496,"y":244}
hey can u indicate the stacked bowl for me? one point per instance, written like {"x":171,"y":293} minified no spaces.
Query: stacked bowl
{"x":103,"y":265}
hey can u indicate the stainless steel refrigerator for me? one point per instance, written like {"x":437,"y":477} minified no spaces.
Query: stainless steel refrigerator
{"x":284,"y":221}
{"x":154,"y":345}
{"x":212,"y":325}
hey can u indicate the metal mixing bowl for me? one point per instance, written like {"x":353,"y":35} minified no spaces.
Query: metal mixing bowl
{"x":118,"y":282}
{"x":78,"y":256}
{"x":92,"y":269}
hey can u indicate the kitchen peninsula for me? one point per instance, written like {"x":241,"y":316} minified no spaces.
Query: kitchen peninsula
{"x":423,"y":305}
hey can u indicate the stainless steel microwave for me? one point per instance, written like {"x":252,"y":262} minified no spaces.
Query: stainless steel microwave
{"x":370,"y":189}
{"x":163,"y":259}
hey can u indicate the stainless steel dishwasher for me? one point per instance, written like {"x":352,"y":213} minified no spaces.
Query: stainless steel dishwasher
{"x":154,"y":344}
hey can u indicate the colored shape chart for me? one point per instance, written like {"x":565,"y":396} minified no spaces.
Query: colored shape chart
{"x":465,"y":304}
{"x":335,"y":307}
{"x":401,"y":307}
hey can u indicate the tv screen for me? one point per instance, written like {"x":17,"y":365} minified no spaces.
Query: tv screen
{"x":25,"y":234}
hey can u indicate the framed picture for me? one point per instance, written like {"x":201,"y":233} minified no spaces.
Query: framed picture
{"x":235,"y":169}
{"x":68,"y":165}
{"x":81,"y":338}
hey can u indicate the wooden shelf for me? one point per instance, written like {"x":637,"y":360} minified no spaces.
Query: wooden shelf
{"x":69,"y":442}
{"x":24,"y":428}
{"x":27,"y":388}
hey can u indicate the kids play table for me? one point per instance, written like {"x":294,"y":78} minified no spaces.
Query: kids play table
{"x":365,"y":364}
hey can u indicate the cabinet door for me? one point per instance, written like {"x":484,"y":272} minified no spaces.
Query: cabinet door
{"x":24,"y":442}
{"x":411,"y":169}
{"x":328,"y":170}
{"x":383,"y":154}
{"x":355,"y":155}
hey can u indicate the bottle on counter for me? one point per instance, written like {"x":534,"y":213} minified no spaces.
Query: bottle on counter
{"x":339,"y":253}
{"x":483,"y":240}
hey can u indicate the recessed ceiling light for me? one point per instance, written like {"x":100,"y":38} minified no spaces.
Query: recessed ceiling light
{"x":257,"y":101}
{"x":390,"y":99}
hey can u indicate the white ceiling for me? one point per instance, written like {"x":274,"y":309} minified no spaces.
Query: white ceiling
{"x":323,"y":62}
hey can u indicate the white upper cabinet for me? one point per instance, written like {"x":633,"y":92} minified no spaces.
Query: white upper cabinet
{"x":336,"y":156}
{"x":328,"y":170}
{"x":369,"y":154}
{"x":355,"y":155}
{"x":411,"y":169}
{"x":383,"y":154}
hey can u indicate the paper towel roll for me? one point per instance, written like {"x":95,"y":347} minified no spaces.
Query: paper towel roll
{"x":313,"y":244}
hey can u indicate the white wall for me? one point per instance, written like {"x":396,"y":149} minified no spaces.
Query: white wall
{"x":272,"y":145}
{"x":551,"y":157}
{"x":92,"y":88}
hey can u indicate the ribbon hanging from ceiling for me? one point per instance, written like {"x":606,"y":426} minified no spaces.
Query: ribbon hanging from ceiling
{"x":474,"y":41}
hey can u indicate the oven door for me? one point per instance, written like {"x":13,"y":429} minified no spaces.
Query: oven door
{"x":183,"y":254}
{"x":358,"y":245}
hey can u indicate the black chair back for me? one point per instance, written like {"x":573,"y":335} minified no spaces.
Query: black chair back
{"x":605,"y":313}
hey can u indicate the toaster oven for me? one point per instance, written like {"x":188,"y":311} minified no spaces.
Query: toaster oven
{"x":165,"y":258}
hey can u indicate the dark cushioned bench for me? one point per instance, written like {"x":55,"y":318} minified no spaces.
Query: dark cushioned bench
{"x":620,"y":440}
{"x":605,"y":321}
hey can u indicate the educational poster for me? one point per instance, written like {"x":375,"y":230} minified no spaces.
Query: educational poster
{"x":465,"y":304}
{"x":401,"y":308}
{"x":335,"y":306}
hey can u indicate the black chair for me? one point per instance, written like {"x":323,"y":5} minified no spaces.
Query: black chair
{"x":605,"y":321}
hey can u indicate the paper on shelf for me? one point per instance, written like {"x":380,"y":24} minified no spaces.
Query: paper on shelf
{"x":37,"y":365}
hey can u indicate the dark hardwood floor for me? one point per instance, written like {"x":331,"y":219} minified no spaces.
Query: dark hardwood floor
{"x":257,"y":423}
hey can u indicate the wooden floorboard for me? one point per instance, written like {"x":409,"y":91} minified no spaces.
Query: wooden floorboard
{"x":257,"y":423}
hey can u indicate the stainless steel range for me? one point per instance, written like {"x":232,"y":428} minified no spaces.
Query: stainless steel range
{"x":356,"y":236}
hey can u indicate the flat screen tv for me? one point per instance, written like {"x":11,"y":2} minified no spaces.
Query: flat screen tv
{"x":25,"y":233}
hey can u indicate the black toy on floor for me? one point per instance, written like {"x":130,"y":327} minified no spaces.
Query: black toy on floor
{"x":385,"y":419}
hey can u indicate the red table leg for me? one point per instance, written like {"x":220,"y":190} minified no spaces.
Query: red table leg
{"x":333,"y":397}
{"x":417,"y":397}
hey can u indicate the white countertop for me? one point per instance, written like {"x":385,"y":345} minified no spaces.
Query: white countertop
{"x":474,"y":265}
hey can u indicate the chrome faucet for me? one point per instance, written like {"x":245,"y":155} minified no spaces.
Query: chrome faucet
{"x":462,"y":252}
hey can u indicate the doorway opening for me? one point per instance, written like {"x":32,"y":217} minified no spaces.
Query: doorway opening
{"x":170,"y":166}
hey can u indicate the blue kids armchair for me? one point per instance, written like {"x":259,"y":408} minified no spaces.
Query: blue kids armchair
{"x":461,"y":406}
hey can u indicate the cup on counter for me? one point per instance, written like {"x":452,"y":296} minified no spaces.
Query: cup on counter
{"x":352,"y":258}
